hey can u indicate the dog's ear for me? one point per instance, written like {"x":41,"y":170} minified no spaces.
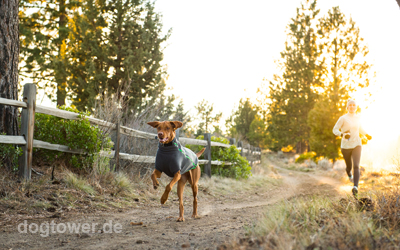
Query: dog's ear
{"x":176,"y":124}
{"x":154,"y":124}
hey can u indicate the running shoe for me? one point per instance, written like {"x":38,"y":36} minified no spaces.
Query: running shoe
{"x":355,"y":191}
{"x":351,"y":178}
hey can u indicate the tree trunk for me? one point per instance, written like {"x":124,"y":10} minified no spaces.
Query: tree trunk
{"x":9,"y":53}
{"x":60,"y":75}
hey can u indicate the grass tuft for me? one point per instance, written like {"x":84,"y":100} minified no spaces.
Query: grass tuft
{"x":79,"y":183}
{"x":122,"y":183}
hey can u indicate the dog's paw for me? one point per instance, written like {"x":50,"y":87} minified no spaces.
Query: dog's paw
{"x":180,"y":219}
{"x":156,"y":186}
{"x":164,"y":198}
{"x":195,"y":216}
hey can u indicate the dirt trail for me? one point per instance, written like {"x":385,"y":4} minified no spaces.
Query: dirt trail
{"x":222,"y":220}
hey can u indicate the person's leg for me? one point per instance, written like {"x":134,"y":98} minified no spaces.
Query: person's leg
{"x":347,"y":158}
{"x":356,"y":155}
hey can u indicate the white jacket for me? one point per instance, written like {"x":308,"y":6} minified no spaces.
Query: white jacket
{"x":349,"y":122}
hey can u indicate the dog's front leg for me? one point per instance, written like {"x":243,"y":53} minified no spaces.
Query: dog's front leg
{"x":195,"y":188}
{"x":181,"y":186}
{"x":156,"y":174}
{"x":168,"y":188}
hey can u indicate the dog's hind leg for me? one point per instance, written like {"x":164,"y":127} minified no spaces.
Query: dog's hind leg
{"x":156,"y":174}
{"x":181,"y":186}
{"x":168,"y":188}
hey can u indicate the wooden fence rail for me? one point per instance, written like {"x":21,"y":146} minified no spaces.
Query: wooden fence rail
{"x":29,"y":108}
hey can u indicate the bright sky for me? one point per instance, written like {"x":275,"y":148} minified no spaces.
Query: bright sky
{"x":221,"y":50}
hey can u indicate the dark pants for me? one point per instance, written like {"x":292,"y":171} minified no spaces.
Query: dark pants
{"x":348,"y":155}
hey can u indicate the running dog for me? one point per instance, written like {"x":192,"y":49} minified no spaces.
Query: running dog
{"x":177,"y":162}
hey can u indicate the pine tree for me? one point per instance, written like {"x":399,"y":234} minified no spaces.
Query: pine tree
{"x":256,"y":135}
{"x":206,"y":116}
{"x":44,"y":29}
{"x":241,"y":119}
{"x":292,"y":94}
{"x":346,"y":71}
{"x":117,"y":43}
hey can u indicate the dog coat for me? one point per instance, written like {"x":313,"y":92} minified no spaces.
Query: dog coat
{"x":172,"y":157}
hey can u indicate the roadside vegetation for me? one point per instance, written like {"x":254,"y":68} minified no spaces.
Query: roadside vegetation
{"x":326,"y":222}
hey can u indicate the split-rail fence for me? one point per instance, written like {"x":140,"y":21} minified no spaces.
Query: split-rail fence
{"x":27,"y":142}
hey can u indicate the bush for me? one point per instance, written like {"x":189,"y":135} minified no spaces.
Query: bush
{"x":310,"y":164}
{"x":306,"y":156}
{"x":9,"y":153}
{"x":324,"y":163}
{"x":240,"y":167}
{"x":76,"y":134}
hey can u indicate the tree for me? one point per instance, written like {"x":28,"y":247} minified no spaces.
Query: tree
{"x":9,"y":52}
{"x":116,"y":43}
{"x":257,"y":132}
{"x":44,"y":29}
{"x":346,"y":71}
{"x":239,"y":123}
{"x":206,"y":116}
{"x":292,"y":94}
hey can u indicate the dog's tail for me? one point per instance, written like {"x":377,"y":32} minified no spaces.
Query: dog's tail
{"x":198,"y":154}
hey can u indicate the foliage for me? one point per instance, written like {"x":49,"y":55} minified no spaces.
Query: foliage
{"x":76,"y":134}
{"x":292,"y":94}
{"x":87,"y":49}
{"x":10,"y":153}
{"x":306,"y":156}
{"x":257,"y":132}
{"x":322,"y":120}
{"x":246,"y":123}
{"x":44,"y":29}
{"x":240,"y":167}
{"x":206,"y":116}
{"x":113,"y":43}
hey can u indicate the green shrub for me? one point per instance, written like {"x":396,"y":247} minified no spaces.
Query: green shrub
{"x":307,"y":156}
{"x":76,"y":134}
{"x":240,"y":167}
{"x":10,"y":153}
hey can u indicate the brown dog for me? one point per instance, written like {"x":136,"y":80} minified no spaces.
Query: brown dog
{"x":177,"y":162}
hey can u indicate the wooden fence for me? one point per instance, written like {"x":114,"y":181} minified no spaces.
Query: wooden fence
{"x":29,"y":108}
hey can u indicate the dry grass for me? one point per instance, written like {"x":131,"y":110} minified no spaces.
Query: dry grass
{"x":79,"y":183}
{"x":68,"y":192}
{"x":263,"y":176}
{"x":315,"y":222}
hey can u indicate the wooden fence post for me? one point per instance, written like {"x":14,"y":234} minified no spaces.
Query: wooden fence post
{"x":27,"y":127}
{"x":116,"y":146}
{"x":251,"y":156}
{"x":207,"y":154}
{"x":240,"y":145}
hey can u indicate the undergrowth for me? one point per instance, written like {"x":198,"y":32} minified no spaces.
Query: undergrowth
{"x":315,"y":222}
{"x":240,"y":168}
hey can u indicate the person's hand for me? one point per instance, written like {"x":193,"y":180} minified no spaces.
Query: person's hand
{"x":368,"y":137}
{"x":346,"y":135}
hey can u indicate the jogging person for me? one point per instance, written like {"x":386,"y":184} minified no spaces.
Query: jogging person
{"x":349,"y":128}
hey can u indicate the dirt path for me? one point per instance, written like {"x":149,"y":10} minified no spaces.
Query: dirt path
{"x":222,"y":220}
